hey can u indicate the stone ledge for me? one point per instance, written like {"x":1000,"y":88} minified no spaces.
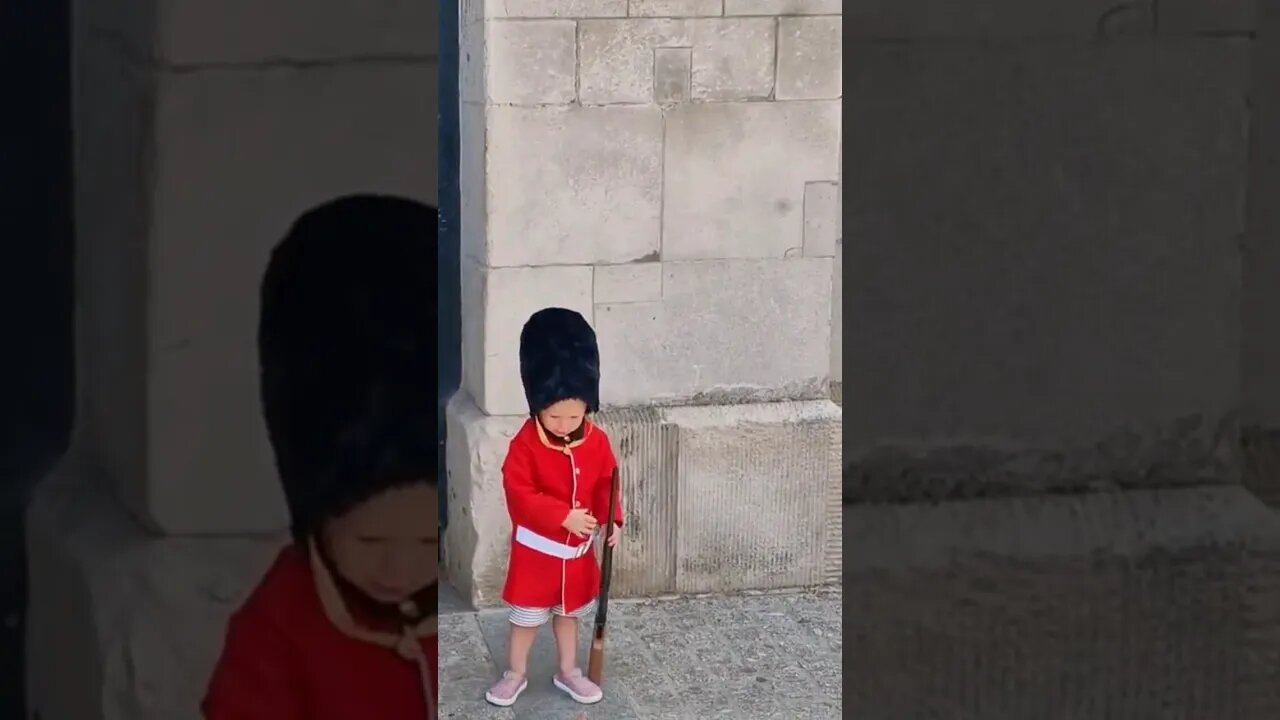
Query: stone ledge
{"x":1155,"y":599}
{"x":129,"y":625}
{"x":699,"y":483}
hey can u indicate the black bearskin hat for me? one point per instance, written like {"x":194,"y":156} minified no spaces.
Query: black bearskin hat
{"x":559,"y":360}
{"x":347,"y":353}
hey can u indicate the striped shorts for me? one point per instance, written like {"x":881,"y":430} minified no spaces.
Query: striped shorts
{"x":537,"y":617}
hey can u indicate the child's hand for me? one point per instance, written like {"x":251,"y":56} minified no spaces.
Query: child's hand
{"x":580,"y":523}
{"x":616,"y":536}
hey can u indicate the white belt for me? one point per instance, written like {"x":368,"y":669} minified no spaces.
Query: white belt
{"x":547,"y":546}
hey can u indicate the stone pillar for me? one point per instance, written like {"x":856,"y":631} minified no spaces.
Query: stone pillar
{"x":669,"y":170}
{"x":202,"y":129}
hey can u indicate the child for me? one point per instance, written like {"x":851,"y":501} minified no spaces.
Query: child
{"x":343,"y":625}
{"x":557,"y":478}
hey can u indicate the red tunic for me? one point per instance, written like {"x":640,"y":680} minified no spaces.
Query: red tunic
{"x":284,"y":659}
{"x":542,"y":487}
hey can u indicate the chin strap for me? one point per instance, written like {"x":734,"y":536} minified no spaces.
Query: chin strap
{"x":407,"y":644}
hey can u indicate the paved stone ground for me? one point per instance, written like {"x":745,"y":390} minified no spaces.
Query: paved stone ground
{"x":764,"y":657}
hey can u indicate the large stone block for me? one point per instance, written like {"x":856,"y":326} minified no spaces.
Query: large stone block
{"x":758,"y":496}
{"x":731,"y":59}
{"x":238,"y":156}
{"x":725,"y":331}
{"x":504,"y":299}
{"x":122,"y":625}
{"x":1074,"y":305}
{"x":697,"y":486}
{"x":676,"y":8}
{"x":477,"y":542}
{"x":573,"y":185}
{"x":531,"y":62}
{"x":808,"y":58}
{"x":553,"y":8}
{"x":924,"y":19}
{"x":735,"y":176}
{"x":257,"y":31}
{"x":1107,"y":605}
{"x":782,"y":7}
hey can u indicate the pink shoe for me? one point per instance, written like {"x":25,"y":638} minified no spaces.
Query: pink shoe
{"x":505,"y":691}
{"x":579,"y":687}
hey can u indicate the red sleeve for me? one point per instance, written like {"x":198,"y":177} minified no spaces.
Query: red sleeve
{"x":600,"y":503}
{"x":255,"y":678}
{"x":528,"y":506}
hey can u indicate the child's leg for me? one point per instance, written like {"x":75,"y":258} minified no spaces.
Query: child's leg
{"x":566,"y":632}
{"x":524,"y":624}
{"x":518,"y":647}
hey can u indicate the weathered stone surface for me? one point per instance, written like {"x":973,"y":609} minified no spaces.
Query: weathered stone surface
{"x":837,"y":317}
{"x":598,"y":179}
{"x":532,"y":62}
{"x":672,"y":75}
{"x":732,"y":59}
{"x":906,"y":19}
{"x":782,"y":7}
{"x":676,"y":8}
{"x":505,"y":298}
{"x":125,"y":626}
{"x":1208,"y":16}
{"x":555,"y":8}
{"x":821,"y":219}
{"x":735,"y":176}
{"x":1075,"y":309}
{"x":1009,"y":608}
{"x":633,"y":282}
{"x":747,"y":467}
{"x":698,"y":482}
{"x":479,"y":536}
{"x":235,"y":162}
{"x":808,"y":58}
{"x":251,"y":31}
{"x":473,"y":49}
{"x":733,"y":342}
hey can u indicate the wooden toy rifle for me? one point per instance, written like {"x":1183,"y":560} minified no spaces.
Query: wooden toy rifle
{"x":595,"y":664}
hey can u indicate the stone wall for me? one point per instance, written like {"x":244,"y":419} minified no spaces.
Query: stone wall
{"x":202,"y":130}
{"x":670,"y":170}
{"x":1043,"y":461}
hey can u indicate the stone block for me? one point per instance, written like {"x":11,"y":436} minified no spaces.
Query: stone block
{"x":555,"y":8}
{"x":837,"y":318}
{"x":633,"y":282}
{"x":725,"y":331}
{"x":114,"y":110}
{"x":647,"y":447}
{"x":809,"y":56}
{"x":1208,"y":16}
{"x":473,"y":58}
{"x":821,"y":219}
{"x":598,"y":179}
{"x":1105,"y":283}
{"x":477,"y":542}
{"x":672,"y":75}
{"x":747,"y":468}
{"x":735,"y":176}
{"x":508,"y":297}
{"x":676,"y":8}
{"x":698,"y":484}
{"x":1149,"y":600}
{"x":235,"y":162}
{"x":731,"y":59}
{"x":255,"y":32}
{"x":531,"y":62}
{"x":123,"y":625}
{"x":924,"y":19}
{"x":782,"y":7}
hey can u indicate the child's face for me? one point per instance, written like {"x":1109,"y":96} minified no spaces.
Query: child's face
{"x":388,"y":546}
{"x":564,"y":417}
